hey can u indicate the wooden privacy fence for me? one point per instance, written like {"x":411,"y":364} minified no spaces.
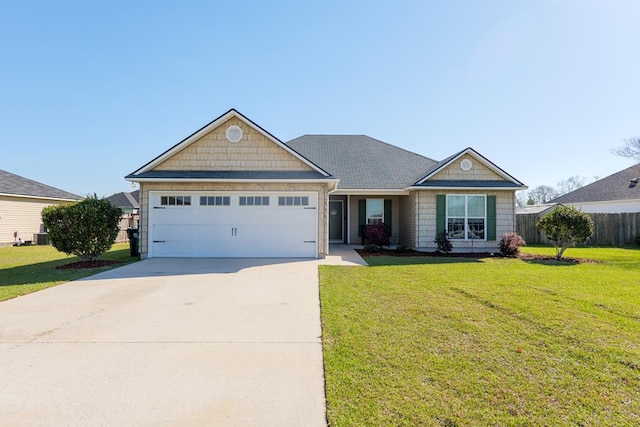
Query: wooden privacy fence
{"x":127,"y":221}
{"x":609,"y":229}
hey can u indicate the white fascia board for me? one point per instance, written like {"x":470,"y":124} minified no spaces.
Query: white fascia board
{"x":469,"y":188}
{"x":313,"y":181}
{"x":370,"y":192}
{"x":214,"y":124}
{"x":57,"y":199}
{"x":603,"y":202}
{"x":486,"y":162}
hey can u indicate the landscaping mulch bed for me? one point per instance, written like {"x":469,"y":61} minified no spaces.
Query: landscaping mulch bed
{"x":87,"y":264}
{"x":477,"y":255}
{"x":413,"y":253}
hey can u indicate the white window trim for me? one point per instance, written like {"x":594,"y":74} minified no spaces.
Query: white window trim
{"x":467,"y":217}
{"x":366,"y":217}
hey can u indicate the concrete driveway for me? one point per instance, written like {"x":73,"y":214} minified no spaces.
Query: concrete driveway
{"x":168,"y":342}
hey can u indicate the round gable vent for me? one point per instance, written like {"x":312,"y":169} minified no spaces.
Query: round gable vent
{"x":466,"y":165}
{"x":234,"y":133}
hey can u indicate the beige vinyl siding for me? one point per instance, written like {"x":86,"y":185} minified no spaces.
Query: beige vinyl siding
{"x":21,"y":214}
{"x":477,"y":172}
{"x":214,"y":152}
{"x":320,"y":188}
{"x":407,"y":224}
{"x":505,"y":218}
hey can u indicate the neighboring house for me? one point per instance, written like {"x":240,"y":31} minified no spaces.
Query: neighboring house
{"x":21,"y":204}
{"x":540,"y":210}
{"x":617,"y":193}
{"x":129,"y":203}
{"x":231,"y":189}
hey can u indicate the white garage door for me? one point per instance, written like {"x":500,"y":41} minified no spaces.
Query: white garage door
{"x":225,"y":224}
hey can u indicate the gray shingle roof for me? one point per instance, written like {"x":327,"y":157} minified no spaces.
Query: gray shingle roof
{"x":125,"y":200}
{"x":614,"y":187}
{"x":362,"y":162}
{"x":19,"y":186}
{"x":248,"y":175}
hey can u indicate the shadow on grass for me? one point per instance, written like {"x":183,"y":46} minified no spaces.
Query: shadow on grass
{"x":551,"y":262}
{"x":45,"y":272}
{"x":380,"y":261}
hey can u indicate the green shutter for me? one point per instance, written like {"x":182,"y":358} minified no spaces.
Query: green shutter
{"x":441,"y":213}
{"x":362,"y":215}
{"x":491,"y":217}
{"x":388,"y":219}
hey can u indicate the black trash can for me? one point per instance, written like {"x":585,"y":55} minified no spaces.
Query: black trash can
{"x":132,"y":233}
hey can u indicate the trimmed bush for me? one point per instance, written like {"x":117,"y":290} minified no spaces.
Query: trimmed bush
{"x":371,"y":248}
{"x":86,"y":229}
{"x":376,"y":234}
{"x":510,"y":244}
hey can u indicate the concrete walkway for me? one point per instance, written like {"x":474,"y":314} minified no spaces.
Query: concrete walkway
{"x":342,"y":254}
{"x":164,"y":342}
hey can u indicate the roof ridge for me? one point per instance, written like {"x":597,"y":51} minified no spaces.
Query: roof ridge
{"x":366,"y":136}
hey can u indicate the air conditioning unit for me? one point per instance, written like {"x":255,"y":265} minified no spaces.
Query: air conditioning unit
{"x":41,"y":238}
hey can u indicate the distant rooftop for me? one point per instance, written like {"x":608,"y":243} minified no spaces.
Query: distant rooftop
{"x":622,"y":185}
{"x":17,"y":185}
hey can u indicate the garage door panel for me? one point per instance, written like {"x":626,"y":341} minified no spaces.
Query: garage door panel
{"x":234,"y":231}
{"x":203,"y":232}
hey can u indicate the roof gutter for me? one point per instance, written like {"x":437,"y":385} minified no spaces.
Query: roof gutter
{"x":370,"y":192}
{"x":466,"y":188}
{"x":323,"y":181}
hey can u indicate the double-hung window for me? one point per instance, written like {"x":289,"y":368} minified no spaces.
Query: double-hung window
{"x":466,"y":217}
{"x":375,"y":211}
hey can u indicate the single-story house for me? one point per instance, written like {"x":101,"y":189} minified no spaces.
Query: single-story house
{"x":617,"y":193}
{"x":21,"y":204}
{"x":130,"y":205}
{"x":232,"y":189}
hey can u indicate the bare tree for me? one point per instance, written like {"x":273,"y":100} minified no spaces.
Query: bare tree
{"x":570,"y":184}
{"x":521,"y":198}
{"x":630,"y":148}
{"x":542,"y":194}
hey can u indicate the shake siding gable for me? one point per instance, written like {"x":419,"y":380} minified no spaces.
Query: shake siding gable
{"x":214,"y":152}
{"x":477,"y":172}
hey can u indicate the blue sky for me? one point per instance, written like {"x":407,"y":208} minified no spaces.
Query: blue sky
{"x":90,"y":91}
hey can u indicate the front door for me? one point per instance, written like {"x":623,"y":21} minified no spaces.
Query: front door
{"x":336,"y":213}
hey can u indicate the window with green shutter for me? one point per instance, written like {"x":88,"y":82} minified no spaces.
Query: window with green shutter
{"x":466,"y":217}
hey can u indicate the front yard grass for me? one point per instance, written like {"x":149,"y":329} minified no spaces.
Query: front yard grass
{"x":28,"y":269}
{"x":444,"y":341}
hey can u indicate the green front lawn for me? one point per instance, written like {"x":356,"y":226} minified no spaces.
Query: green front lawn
{"x":28,"y":269}
{"x":443,"y":341}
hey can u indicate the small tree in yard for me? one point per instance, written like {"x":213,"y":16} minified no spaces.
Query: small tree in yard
{"x":566,"y":226}
{"x":86,"y":229}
